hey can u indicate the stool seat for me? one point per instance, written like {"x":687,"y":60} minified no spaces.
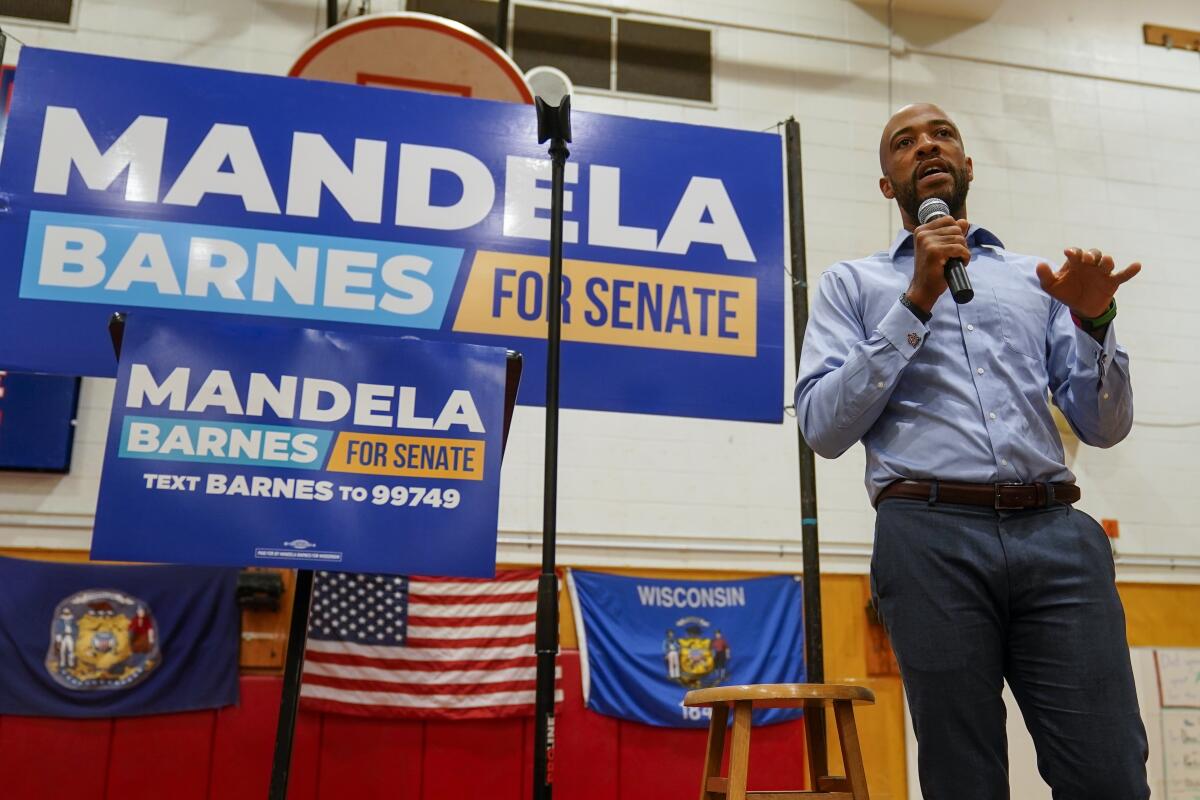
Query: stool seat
{"x":812,"y":697}
{"x":779,"y":695}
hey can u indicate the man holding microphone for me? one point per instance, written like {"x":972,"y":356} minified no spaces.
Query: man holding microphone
{"x":982,"y":570}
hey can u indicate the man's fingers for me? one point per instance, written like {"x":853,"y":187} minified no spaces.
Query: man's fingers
{"x":948,"y":250}
{"x":941,"y":222}
{"x":1045,"y":274}
{"x":1094,"y":256}
{"x":950,"y":243}
{"x":1106,"y":265}
{"x":951,"y":234}
{"x":1127,"y":273}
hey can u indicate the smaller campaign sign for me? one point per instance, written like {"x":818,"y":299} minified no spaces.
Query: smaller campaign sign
{"x":645,"y":643}
{"x":260,"y":446}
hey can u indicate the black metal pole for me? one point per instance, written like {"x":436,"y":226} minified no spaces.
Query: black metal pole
{"x":554,"y":124}
{"x":331,"y":13}
{"x":290,"y":697}
{"x":814,"y":651}
{"x":502,"y":25}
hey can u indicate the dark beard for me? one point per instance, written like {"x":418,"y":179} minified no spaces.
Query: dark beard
{"x":956,"y":197}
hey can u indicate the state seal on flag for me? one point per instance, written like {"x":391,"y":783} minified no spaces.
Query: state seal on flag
{"x":696,"y":658}
{"x":102,"y":639}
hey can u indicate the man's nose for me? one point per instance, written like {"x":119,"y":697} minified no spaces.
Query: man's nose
{"x":926,"y":145}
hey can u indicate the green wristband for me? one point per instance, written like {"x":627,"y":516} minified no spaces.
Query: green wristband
{"x":1095,"y":323}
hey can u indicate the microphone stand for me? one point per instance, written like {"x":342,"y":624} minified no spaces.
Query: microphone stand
{"x":554,"y":124}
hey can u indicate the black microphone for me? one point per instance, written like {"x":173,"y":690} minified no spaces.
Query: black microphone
{"x":956,"y":273}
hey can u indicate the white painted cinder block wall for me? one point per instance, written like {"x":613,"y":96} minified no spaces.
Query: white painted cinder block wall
{"x":1081,"y":135}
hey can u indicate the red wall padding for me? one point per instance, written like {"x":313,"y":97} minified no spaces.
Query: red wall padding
{"x":226,"y":755}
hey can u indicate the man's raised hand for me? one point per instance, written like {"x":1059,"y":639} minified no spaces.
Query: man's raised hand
{"x":1086,"y":282}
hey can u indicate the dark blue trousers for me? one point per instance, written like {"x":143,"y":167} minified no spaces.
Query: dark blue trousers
{"x":972,"y":597}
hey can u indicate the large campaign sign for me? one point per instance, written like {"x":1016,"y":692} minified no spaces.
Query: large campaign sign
{"x":203,"y":192}
{"x":232,"y":444}
{"x":646,"y":642}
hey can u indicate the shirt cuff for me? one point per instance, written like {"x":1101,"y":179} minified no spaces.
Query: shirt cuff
{"x":1094,"y":353}
{"x":902,"y":328}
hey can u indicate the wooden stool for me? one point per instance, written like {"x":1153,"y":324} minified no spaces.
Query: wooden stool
{"x":744,"y":699}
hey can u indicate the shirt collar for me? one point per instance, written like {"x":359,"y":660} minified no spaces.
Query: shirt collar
{"x":976,"y":237}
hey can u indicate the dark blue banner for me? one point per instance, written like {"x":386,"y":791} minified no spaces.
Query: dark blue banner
{"x":83,"y":640}
{"x":37,"y":421}
{"x":209,"y":193}
{"x":243,"y":445}
{"x":645,"y":643}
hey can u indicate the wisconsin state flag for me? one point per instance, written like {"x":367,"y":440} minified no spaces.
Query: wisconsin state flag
{"x":82,"y":640}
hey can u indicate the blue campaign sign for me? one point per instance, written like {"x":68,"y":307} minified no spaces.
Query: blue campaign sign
{"x":645,"y":642}
{"x":266,"y":446}
{"x":202,"y":192}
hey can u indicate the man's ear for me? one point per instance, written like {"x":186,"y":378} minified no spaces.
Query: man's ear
{"x":970,"y":170}
{"x":885,"y":185}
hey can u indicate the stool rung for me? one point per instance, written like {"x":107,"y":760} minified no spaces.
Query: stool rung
{"x":799,"y":796}
{"x":717,"y":785}
{"x":833,"y":783}
{"x":721,"y":786}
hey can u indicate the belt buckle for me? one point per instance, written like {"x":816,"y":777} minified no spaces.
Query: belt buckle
{"x":998,"y":504}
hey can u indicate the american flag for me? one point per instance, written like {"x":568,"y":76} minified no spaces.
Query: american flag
{"x":426,"y":648}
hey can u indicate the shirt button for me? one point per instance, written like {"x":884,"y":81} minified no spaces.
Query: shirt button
{"x":980,"y":370}
{"x":1104,"y":396}
{"x":879,"y":385}
{"x":970,"y":327}
{"x":1004,"y":462}
{"x":992,"y":415}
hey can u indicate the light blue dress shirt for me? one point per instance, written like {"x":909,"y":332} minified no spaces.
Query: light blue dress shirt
{"x":963,"y":398}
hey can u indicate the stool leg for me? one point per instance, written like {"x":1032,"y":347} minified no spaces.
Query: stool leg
{"x":716,"y":748}
{"x":739,"y":750}
{"x":814,"y":742}
{"x":843,"y":711}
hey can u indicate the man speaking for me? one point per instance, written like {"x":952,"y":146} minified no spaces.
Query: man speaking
{"x":982,"y":570}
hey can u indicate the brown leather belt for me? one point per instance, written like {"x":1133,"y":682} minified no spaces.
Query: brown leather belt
{"x":1000,"y":496}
